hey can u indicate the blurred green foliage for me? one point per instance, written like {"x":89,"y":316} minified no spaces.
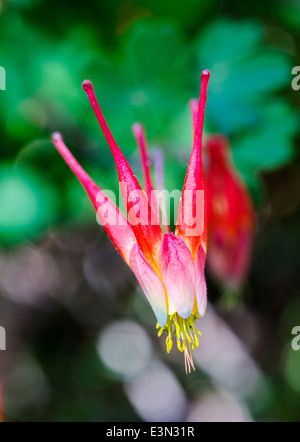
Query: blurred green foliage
{"x":144,"y":59}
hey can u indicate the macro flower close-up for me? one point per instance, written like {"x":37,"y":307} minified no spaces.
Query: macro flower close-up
{"x":169,"y":267}
{"x":149,"y":214}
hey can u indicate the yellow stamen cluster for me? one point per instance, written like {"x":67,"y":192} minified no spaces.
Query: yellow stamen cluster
{"x":186,"y":335}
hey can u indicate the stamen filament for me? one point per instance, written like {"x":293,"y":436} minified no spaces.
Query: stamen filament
{"x":186,"y":336}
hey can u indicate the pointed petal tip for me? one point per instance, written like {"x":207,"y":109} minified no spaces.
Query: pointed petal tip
{"x":205,"y":74}
{"x":161,"y":317}
{"x":87,"y":85}
{"x":56,"y":136}
{"x":137,"y":129}
{"x":202,"y":309}
{"x":58,"y":143}
{"x":202,"y":301}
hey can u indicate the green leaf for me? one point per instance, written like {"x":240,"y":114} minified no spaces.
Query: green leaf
{"x":244,"y":71}
{"x":246,"y":75}
{"x":269,"y":143}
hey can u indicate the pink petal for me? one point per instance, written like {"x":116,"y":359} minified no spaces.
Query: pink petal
{"x":178,"y":274}
{"x":201,"y":290}
{"x":114,"y":222}
{"x":150,"y":283}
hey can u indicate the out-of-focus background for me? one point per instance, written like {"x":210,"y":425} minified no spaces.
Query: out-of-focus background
{"x":81,"y":339}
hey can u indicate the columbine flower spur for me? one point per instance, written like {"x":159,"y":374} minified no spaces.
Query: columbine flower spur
{"x":168,"y":266}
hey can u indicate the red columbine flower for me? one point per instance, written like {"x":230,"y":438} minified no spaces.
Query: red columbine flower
{"x":169,"y":267}
{"x":230,"y":216}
